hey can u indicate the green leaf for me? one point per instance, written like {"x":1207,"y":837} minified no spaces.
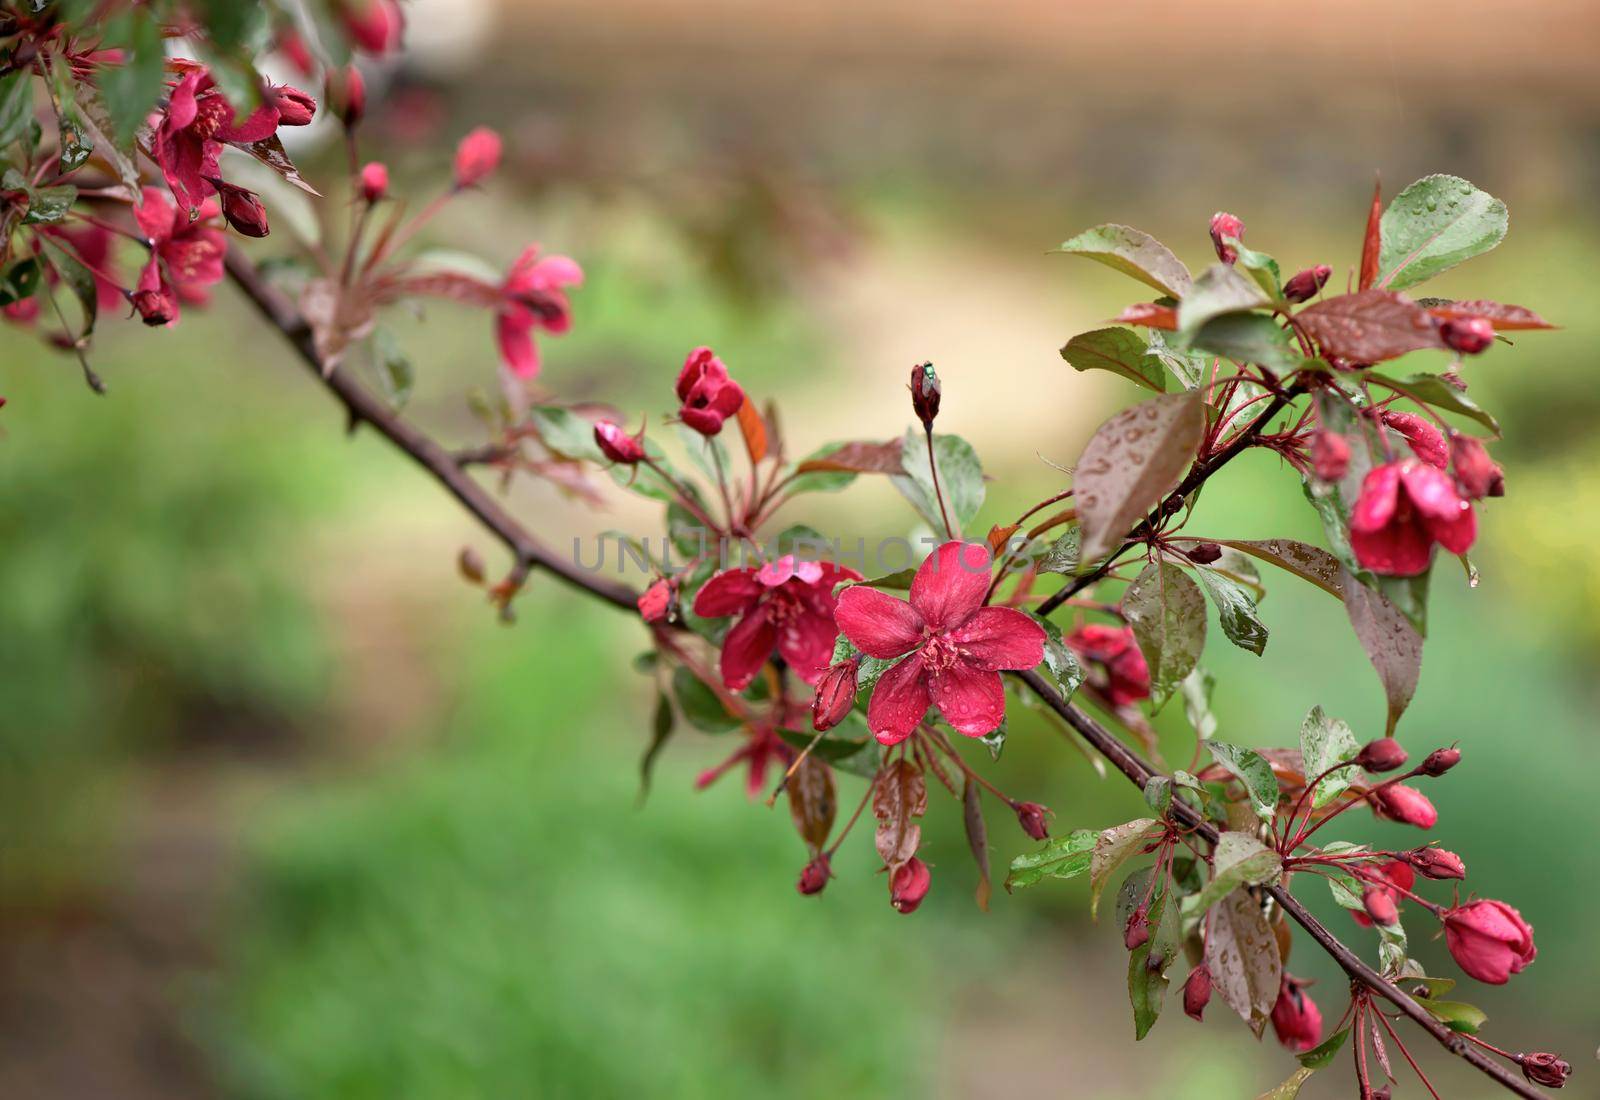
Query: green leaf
{"x":660,"y":731}
{"x":131,"y":89}
{"x":1238,"y":860}
{"x":1130,"y":463}
{"x":1457,"y":1015}
{"x":16,"y":105}
{"x":48,"y":205}
{"x":700,"y":706}
{"x":854,"y":458}
{"x":1114,"y":847}
{"x":20,"y":280}
{"x":1260,"y":267}
{"x":1148,"y":963}
{"x":81,"y":281}
{"x":566,"y":433}
{"x":1254,"y":772}
{"x":1248,"y":338}
{"x":1219,"y":289}
{"x":1118,"y":350}
{"x":1323,"y":1053}
{"x":1063,"y":554}
{"x":705,"y":452}
{"x":1168,"y":616}
{"x":1242,"y":953}
{"x":1290,"y":1088}
{"x":1197,"y":687}
{"x":1060,"y":857}
{"x":397,"y":377}
{"x":1430,"y":389}
{"x":1158,"y":793}
{"x":1236,"y":609}
{"x":1186,"y":365}
{"x":1433,"y":225}
{"x":960,"y":478}
{"x":1308,"y":562}
{"x":1325,"y":742}
{"x":1063,"y":664}
{"x":1133,"y":253}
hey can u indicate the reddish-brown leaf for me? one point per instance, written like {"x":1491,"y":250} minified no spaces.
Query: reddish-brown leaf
{"x":998,"y":536}
{"x":1132,"y":460}
{"x":1369,"y":326}
{"x":900,"y":796}
{"x":1243,"y":956}
{"x":977,"y":838}
{"x":1505,"y":318}
{"x":754,"y":431}
{"x":1372,"y":245}
{"x":812,"y":802}
{"x":456,"y":286}
{"x":1150,"y":315}
{"x":270,"y":151}
{"x":859,"y":457}
{"x":1391,"y":643}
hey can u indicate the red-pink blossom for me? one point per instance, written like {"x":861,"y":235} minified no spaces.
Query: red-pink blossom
{"x":1407,"y":805}
{"x":294,"y":49}
{"x":1381,"y":896}
{"x":374,"y":181}
{"x":762,"y":749}
{"x":1296,"y":1020}
{"x":707,"y":392}
{"x":908,"y":885}
{"x":1468,"y":335}
{"x":1489,"y":940}
{"x":295,"y":108}
{"x":186,"y":256}
{"x":1113,"y":651}
{"x":347,"y":94}
{"x":785,"y":605}
{"x":952,"y":647}
{"x":477,"y":155}
{"x":196,"y":122}
{"x":1034,"y":819}
{"x":533,"y":296}
{"x":374,"y":26}
{"x":1427,"y":441}
{"x":1305,"y":284}
{"x":1404,"y":508}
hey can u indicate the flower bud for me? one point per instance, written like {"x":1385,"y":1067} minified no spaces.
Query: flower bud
{"x":836,"y":694}
{"x":375,"y":26}
{"x":815,"y":875}
{"x":1439,"y":761}
{"x":656,"y":603}
{"x":617,"y":445}
{"x":1305,"y":284}
{"x":242,"y":209}
{"x":1435,"y":863}
{"x":1405,"y":805}
{"x":1382,"y":1092}
{"x":1034,"y":820}
{"x":925,"y":390}
{"x":1137,"y":932}
{"x":1380,"y":905}
{"x":153,"y":298}
{"x":295,"y":108}
{"x":1427,"y":442}
{"x":1476,"y":472}
{"x":1197,"y":992}
{"x":1222,"y":227}
{"x":1383,"y":755}
{"x":477,"y":155}
{"x":909,"y":885}
{"x":1489,"y":940}
{"x":1467,"y":335}
{"x":374,"y":181}
{"x":1549,"y":1070}
{"x":1330,"y":455}
{"x":1204,"y":553}
{"x":294,"y":49}
{"x":1296,"y":1020}
{"x":470,"y":565}
{"x":347,"y":94}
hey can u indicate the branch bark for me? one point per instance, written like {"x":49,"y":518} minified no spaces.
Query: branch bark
{"x":363,"y":407}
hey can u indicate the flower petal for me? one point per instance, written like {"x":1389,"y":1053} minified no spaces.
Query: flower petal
{"x":951,"y":584}
{"x":1380,"y":494}
{"x":726,"y":593}
{"x":1455,"y":535}
{"x":514,"y":330}
{"x":1400,"y":549}
{"x":972,"y":699}
{"x":876,"y":623}
{"x":747,"y":647}
{"x":806,"y":642}
{"x":1000,"y":637}
{"x":899,"y":701}
{"x":1432,"y":491}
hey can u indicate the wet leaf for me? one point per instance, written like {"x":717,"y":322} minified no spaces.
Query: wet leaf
{"x":1457,"y":1015}
{"x":1372,"y":240}
{"x":565,"y":432}
{"x":960,"y":479}
{"x":1290,"y":1088}
{"x":1168,"y":616}
{"x":1236,"y":609}
{"x":1220,"y":289}
{"x":1432,"y":390}
{"x":812,"y":802}
{"x":660,"y":732}
{"x":48,"y":205}
{"x":1505,"y":318}
{"x":1063,"y":554}
{"x":1323,"y":1053}
{"x":16,"y":105}
{"x":1060,"y":857}
{"x":130,"y":90}
{"x":1130,"y":463}
{"x":270,"y":151}
{"x":397,"y":377}
{"x":900,"y":797}
{"x":1197,"y":687}
{"x":1150,"y":314}
{"x":1133,"y":253}
{"x":1242,"y":953}
{"x":1325,"y":742}
{"x":1391,"y":643}
{"x":1114,"y":847}
{"x":1119,"y":351}
{"x":1308,"y":562}
{"x":1148,"y":963}
{"x":699,"y":705}
{"x":1248,"y":338}
{"x":1435,"y":224}
{"x":1369,"y":326}
{"x":1253,"y":770}
{"x":1238,"y":860}
{"x":857,"y":458}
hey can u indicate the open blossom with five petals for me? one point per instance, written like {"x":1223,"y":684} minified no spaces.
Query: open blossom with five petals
{"x":951,"y":647}
{"x":197,"y":120}
{"x":533,"y":296}
{"x":185,"y":256}
{"x":1114,"y":652}
{"x":1404,"y":508}
{"x":787,"y":605}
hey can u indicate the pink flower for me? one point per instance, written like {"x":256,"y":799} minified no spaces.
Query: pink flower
{"x":787,"y":605}
{"x":1427,"y":442}
{"x":92,"y":245}
{"x":1476,"y":472}
{"x":1296,"y":1020}
{"x":477,"y":156}
{"x":1406,"y":805}
{"x":188,"y":140}
{"x":953,"y":647}
{"x":375,"y":26}
{"x":185,"y":257}
{"x":1489,"y":940}
{"x":656,"y":602}
{"x":1113,"y":650}
{"x":761,"y":750}
{"x":1404,"y":508}
{"x":908,"y":885}
{"x":533,"y":296}
{"x":374,"y":181}
{"x":242,"y":209}
{"x":1381,"y":896}
{"x":708,"y":394}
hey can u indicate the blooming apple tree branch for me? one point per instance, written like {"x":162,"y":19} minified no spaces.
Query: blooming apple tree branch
{"x":827,"y":672}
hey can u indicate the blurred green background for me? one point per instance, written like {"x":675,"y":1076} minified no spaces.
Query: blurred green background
{"x":286,"y":813}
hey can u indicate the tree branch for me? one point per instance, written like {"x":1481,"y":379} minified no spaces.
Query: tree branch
{"x":363,"y":407}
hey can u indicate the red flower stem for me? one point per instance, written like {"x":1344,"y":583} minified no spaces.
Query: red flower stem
{"x":89,"y":375}
{"x":938,"y":492}
{"x":1301,"y":801}
{"x":358,"y":230}
{"x":1406,"y":1054}
{"x":388,"y":243}
{"x":1490,"y":1046}
{"x":1043,"y":504}
{"x":722,"y":482}
{"x":937,"y":736}
{"x":866,"y":796}
{"x":1359,"y":1034}
{"x":684,"y":497}
{"x":798,"y":760}
{"x":110,"y":227}
{"x":362,"y":407}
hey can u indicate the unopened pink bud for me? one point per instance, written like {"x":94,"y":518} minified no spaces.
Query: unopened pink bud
{"x":656,"y":603}
{"x":617,"y":445}
{"x":1439,"y":761}
{"x":477,"y":155}
{"x":1304,"y":285}
{"x":1383,"y":755}
{"x":1224,"y":226}
{"x":836,"y":694}
{"x":925,"y":393}
{"x":1137,"y":932}
{"x":1330,"y":455}
{"x":909,"y":885}
{"x":374,"y":181}
{"x":1468,"y":335}
{"x":1405,"y":805}
{"x":1380,"y":905}
{"x":1476,"y":472}
{"x":1435,"y":863}
{"x":814,"y":876}
{"x":295,"y":108}
{"x":1034,"y":820}
{"x":1197,"y":992}
{"x":242,"y":209}
{"x":1549,"y":1070}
